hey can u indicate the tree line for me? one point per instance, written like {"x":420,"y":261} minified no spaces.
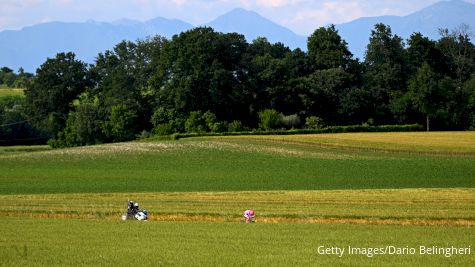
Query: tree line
{"x":10,"y":79}
{"x":206,"y":81}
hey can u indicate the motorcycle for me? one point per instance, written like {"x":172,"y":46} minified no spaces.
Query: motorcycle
{"x":134,"y":213}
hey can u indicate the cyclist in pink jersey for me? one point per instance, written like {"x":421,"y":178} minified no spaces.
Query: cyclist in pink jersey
{"x":249,"y":216}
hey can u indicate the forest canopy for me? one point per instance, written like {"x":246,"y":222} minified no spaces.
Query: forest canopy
{"x":206,"y":81}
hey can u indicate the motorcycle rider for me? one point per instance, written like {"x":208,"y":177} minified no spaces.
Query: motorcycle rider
{"x":132,"y":208}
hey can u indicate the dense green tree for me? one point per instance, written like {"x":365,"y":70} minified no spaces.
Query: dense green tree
{"x":120,"y":124}
{"x":425,"y":93}
{"x":421,"y":49}
{"x":122,"y":78}
{"x":323,"y":91}
{"x":386,"y":72}
{"x":7,"y":77}
{"x":117,"y":74}
{"x":202,"y":70}
{"x":274,"y":73}
{"x":58,"y":82}
{"x":327,"y":50}
{"x":470,"y":87}
{"x":460,"y":105}
{"x":15,"y":129}
{"x":196,"y":122}
{"x":83,"y":127}
{"x":459,"y":53}
{"x":10,"y":79}
{"x":355,"y":106}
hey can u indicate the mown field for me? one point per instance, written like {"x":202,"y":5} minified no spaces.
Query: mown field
{"x":386,"y":206}
{"x":62,"y":207}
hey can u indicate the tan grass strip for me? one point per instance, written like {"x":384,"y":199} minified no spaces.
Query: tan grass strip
{"x":210,"y":218}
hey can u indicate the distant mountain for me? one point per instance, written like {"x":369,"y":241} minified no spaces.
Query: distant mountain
{"x":29,"y":47}
{"x":445,"y":14}
{"x":253,"y":25}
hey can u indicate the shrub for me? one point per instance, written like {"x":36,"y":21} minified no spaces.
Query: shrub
{"x":83,"y":127}
{"x":291,"y":121}
{"x":144,"y":135}
{"x":161,"y":116}
{"x":120,"y":125}
{"x":218,"y":127}
{"x":314,"y":122}
{"x":196,"y":122}
{"x":269,"y":119}
{"x":235,"y":126}
{"x":210,"y":120}
{"x":163,"y":129}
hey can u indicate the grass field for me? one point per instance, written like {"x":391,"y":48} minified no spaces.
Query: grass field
{"x":74,"y":242}
{"x":234,"y":164}
{"x":388,"y":206}
{"x":62,"y":207}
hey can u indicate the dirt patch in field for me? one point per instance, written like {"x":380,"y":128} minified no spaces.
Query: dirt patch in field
{"x":211,"y":218}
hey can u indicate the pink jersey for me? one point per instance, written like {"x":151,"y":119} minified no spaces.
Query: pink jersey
{"x":248,"y":213}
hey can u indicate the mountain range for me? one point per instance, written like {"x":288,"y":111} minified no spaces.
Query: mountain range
{"x":428,"y":21}
{"x":30,"y":46}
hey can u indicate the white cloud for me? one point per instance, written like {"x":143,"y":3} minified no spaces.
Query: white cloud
{"x":329,"y":12}
{"x":276,"y":3}
{"x":179,"y":2}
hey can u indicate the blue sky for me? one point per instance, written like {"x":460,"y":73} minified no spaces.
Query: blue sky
{"x":301,"y":16}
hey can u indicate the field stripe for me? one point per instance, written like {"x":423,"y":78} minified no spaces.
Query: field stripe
{"x":396,"y":206}
{"x":210,"y":218}
{"x":443,"y":143}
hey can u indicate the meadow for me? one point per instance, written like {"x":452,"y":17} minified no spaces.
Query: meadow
{"x":62,"y":207}
{"x":76,"y":242}
{"x":235,"y":164}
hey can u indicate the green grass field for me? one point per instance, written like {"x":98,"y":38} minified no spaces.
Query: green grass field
{"x":75,"y":242}
{"x":232,"y":164}
{"x":62,"y":207}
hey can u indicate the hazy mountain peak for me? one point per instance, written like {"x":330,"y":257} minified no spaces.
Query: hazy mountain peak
{"x":126,"y":22}
{"x":242,"y":11}
{"x":253,"y":25}
{"x":428,"y":21}
{"x":29,"y":47}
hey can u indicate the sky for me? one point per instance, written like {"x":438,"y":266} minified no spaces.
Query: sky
{"x":301,"y":16}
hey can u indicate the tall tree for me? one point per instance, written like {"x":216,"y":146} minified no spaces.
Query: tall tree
{"x":327,"y":50}
{"x":123,"y":75}
{"x":470,"y":86}
{"x":386,"y":72}
{"x":50,"y":96}
{"x":459,"y":52}
{"x":202,"y":70}
{"x":421,"y":49}
{"x":425,"y":93}
{"x":323,"y":92}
